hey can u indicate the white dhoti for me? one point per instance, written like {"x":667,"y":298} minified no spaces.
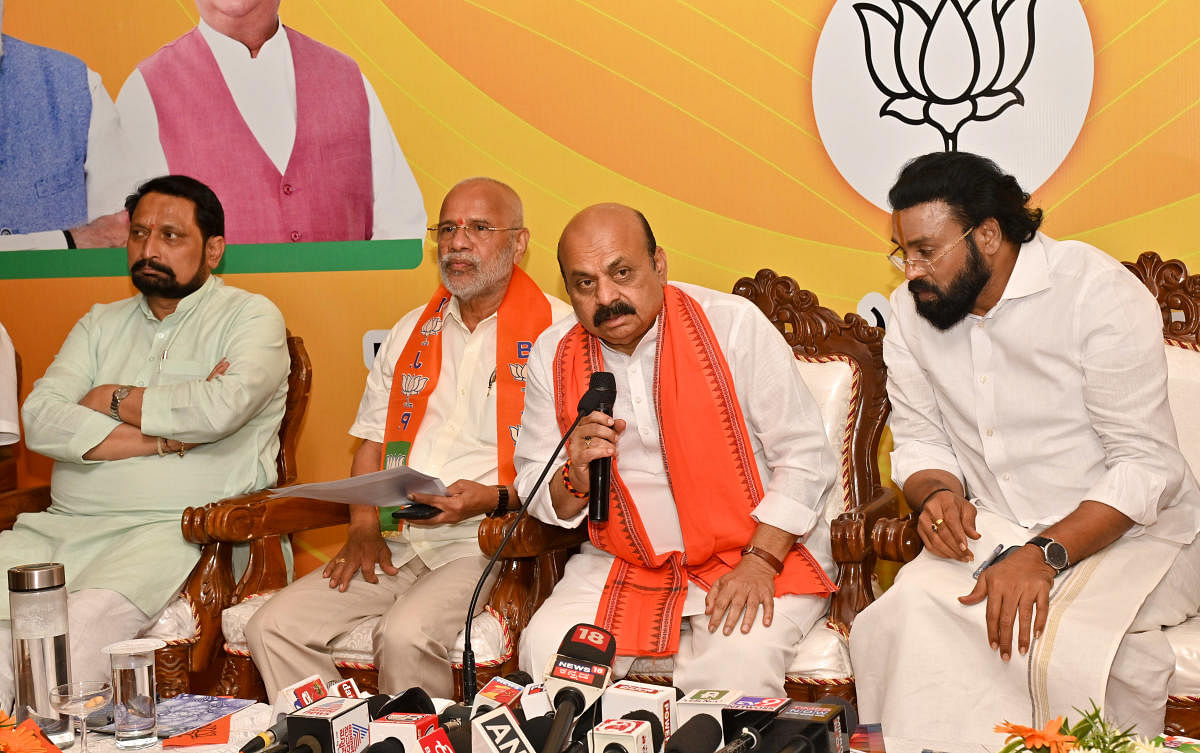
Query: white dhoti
{"x":924,"y":669}
{"x":753,"y":662}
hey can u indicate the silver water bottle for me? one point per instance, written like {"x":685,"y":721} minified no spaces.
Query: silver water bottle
{"x":37,"y":598}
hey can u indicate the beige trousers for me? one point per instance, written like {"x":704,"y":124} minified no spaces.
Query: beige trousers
{"x":421,"y":614}
{"x":96,"y":617}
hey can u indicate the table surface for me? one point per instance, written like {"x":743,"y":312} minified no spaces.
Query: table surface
{"x":242,"y":726}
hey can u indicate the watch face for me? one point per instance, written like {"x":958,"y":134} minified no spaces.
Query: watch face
{"x":1056,"y":555}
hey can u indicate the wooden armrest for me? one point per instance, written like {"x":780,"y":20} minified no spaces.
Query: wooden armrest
{"x":853,"y":552}
{"x":17,"y":501}
{"x":895,"y":539}
{"x":532,"y":537}
{"x":256,"y":516}
{"x":848,"y":533}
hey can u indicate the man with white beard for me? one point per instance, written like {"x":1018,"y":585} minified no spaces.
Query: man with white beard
{"x":445,"y":397}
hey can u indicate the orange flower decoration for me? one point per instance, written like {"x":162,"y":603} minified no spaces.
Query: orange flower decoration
{"x":18,"y":738}
{"x":1048,"y":739}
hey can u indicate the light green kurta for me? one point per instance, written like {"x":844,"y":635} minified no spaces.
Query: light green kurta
{"x":115,"y":524}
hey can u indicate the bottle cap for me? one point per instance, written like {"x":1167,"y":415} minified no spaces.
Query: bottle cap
{"x":37,"y":577}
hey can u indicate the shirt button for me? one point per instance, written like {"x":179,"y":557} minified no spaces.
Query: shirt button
{"x":160,"y":335}
{"x":990,"y":432}
{"x":983,"y":379}
{"x":1005,"y":477}
{"x":288,"y":188}
{"x":295,"y":235}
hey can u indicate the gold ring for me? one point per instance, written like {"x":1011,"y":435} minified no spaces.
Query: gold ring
{"x":339,"y":560}
{"x":587,"y":442}
{"x":935,"y":524}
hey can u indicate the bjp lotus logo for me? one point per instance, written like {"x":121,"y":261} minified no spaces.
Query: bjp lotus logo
{"x":410,"y":385}
{"x":952,"y":67}
{"x":893,"y":79}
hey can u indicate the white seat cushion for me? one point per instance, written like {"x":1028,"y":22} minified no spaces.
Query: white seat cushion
{"x":490,"y":640}
{"x":1183,"y":390}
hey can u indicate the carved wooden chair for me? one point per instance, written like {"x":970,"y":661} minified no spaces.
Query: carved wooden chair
{"x":841,"y":358}
{"x":841,"y":361}
{"x":187,"y":658}
{"x":1178,"y":297}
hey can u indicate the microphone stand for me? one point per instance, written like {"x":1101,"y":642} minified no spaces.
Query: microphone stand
{"x":470,"y":680}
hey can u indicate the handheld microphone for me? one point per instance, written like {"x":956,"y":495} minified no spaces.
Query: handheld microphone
{"x":577,"y":676}
{"x":267,"y":737}
{"x":627,"y":696}
{"x":635,"y":732}
{"x":498,"y":691}
{"x":587,"y":404}
{"x":600,"y":470}
{"x":821,"y":727}
{"x":497,"y":731}
{"x":707,"y":701}
{"x":331,"y":725}
{"x":700,"y":734}
{"x":412,"y":701}
{"x":747,"y":720}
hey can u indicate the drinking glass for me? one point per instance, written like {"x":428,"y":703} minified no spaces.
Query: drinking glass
{"x":78,"y":699}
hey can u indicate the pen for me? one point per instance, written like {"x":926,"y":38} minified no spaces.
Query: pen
{"x":987,"y":562}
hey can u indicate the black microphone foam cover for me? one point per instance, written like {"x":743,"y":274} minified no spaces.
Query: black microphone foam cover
{"x":656,"y":728}
{"x":700,"y":733}
{"x":519,"y":677}
{"x":386,"y":745}
{"x":412,"y":701}
{"x":460,"y":738}
{"x":589,"y":642}
{"x":376,"y":703}
{"x":536,"y":730}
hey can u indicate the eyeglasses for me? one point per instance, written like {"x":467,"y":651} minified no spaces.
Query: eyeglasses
{"x":476,"y":231}
{"x":901,"y":261}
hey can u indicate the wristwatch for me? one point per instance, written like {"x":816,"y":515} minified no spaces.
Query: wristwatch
{"x":501,"y":502}
{"x":119,"y":394}
{"x":1053,"y":552}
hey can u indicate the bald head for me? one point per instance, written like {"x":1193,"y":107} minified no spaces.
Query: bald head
{"x":615,"y":286}
{"x":501,"y":195}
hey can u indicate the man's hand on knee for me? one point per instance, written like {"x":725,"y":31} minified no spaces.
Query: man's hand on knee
{"x":363,"y":550}
{"x":739,"y":593}
{"x":1014,"y":588}
{"x":946,"y":521}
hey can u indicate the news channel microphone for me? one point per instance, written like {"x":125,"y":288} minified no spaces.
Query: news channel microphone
{"x":576,"y":677}
{"x":500,"y":691}
{"x":588,"y":403}
{"x":747,"y":721}
{"x":498,"y":731}
{"x":635,"y":732}
{"x":625,"y":696}
{"x":821,"y":727}
{"x":707,"y":701}
{"x":700,"y":734}
{"x":604,"y":385}
{"x":332,"y":725}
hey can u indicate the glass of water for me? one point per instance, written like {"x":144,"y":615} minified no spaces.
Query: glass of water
{"x":134,"y":696}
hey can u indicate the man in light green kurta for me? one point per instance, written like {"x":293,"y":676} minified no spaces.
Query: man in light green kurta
{"x":166,"y":400}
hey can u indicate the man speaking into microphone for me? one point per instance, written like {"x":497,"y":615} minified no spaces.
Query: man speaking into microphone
{"x":719,"y":464}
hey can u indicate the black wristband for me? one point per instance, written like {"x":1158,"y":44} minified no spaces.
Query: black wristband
{"x":929,"y":496}
{"x":70,"y":239}
{"x":501,"y":502}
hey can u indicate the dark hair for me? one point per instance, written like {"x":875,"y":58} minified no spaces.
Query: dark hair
{"x":651,"y":244}
{"x":975,"y":188}
{"x":210,"y":216}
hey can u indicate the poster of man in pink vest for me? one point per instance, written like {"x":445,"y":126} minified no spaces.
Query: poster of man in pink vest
{"x":286,"y":130}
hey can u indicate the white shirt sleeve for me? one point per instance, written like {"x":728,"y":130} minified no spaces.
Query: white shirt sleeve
{"x":108,"y":174}
{"x":139,"y":120}
{"x":399,"y":209}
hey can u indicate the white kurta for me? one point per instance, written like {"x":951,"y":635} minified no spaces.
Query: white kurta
{"x":794,"y":459}
{"x":457,"y":437}
{"x":1056,"y":395}
{"x":264,"y":90}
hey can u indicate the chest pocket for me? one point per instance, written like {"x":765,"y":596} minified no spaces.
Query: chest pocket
{"x":180,"y":370}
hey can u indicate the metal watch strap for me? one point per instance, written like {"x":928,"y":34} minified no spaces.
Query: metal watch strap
{"x":119,"y":394}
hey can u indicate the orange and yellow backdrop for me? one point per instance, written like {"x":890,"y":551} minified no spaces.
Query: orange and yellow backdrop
{"x":698,"y":112}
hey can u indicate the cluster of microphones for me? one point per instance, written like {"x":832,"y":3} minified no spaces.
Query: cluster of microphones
{"x":575,"y":709}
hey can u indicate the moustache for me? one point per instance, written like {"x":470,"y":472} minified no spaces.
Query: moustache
{"x":923,"y":286}
{"x":604,"y":313}
{"x":157,"y":266}
{"x":459,"y":257}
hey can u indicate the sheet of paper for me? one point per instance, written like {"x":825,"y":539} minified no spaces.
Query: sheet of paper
{"x":386,"y":488}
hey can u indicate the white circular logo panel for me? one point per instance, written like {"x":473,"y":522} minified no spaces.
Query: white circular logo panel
{"x":894,"y":79}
